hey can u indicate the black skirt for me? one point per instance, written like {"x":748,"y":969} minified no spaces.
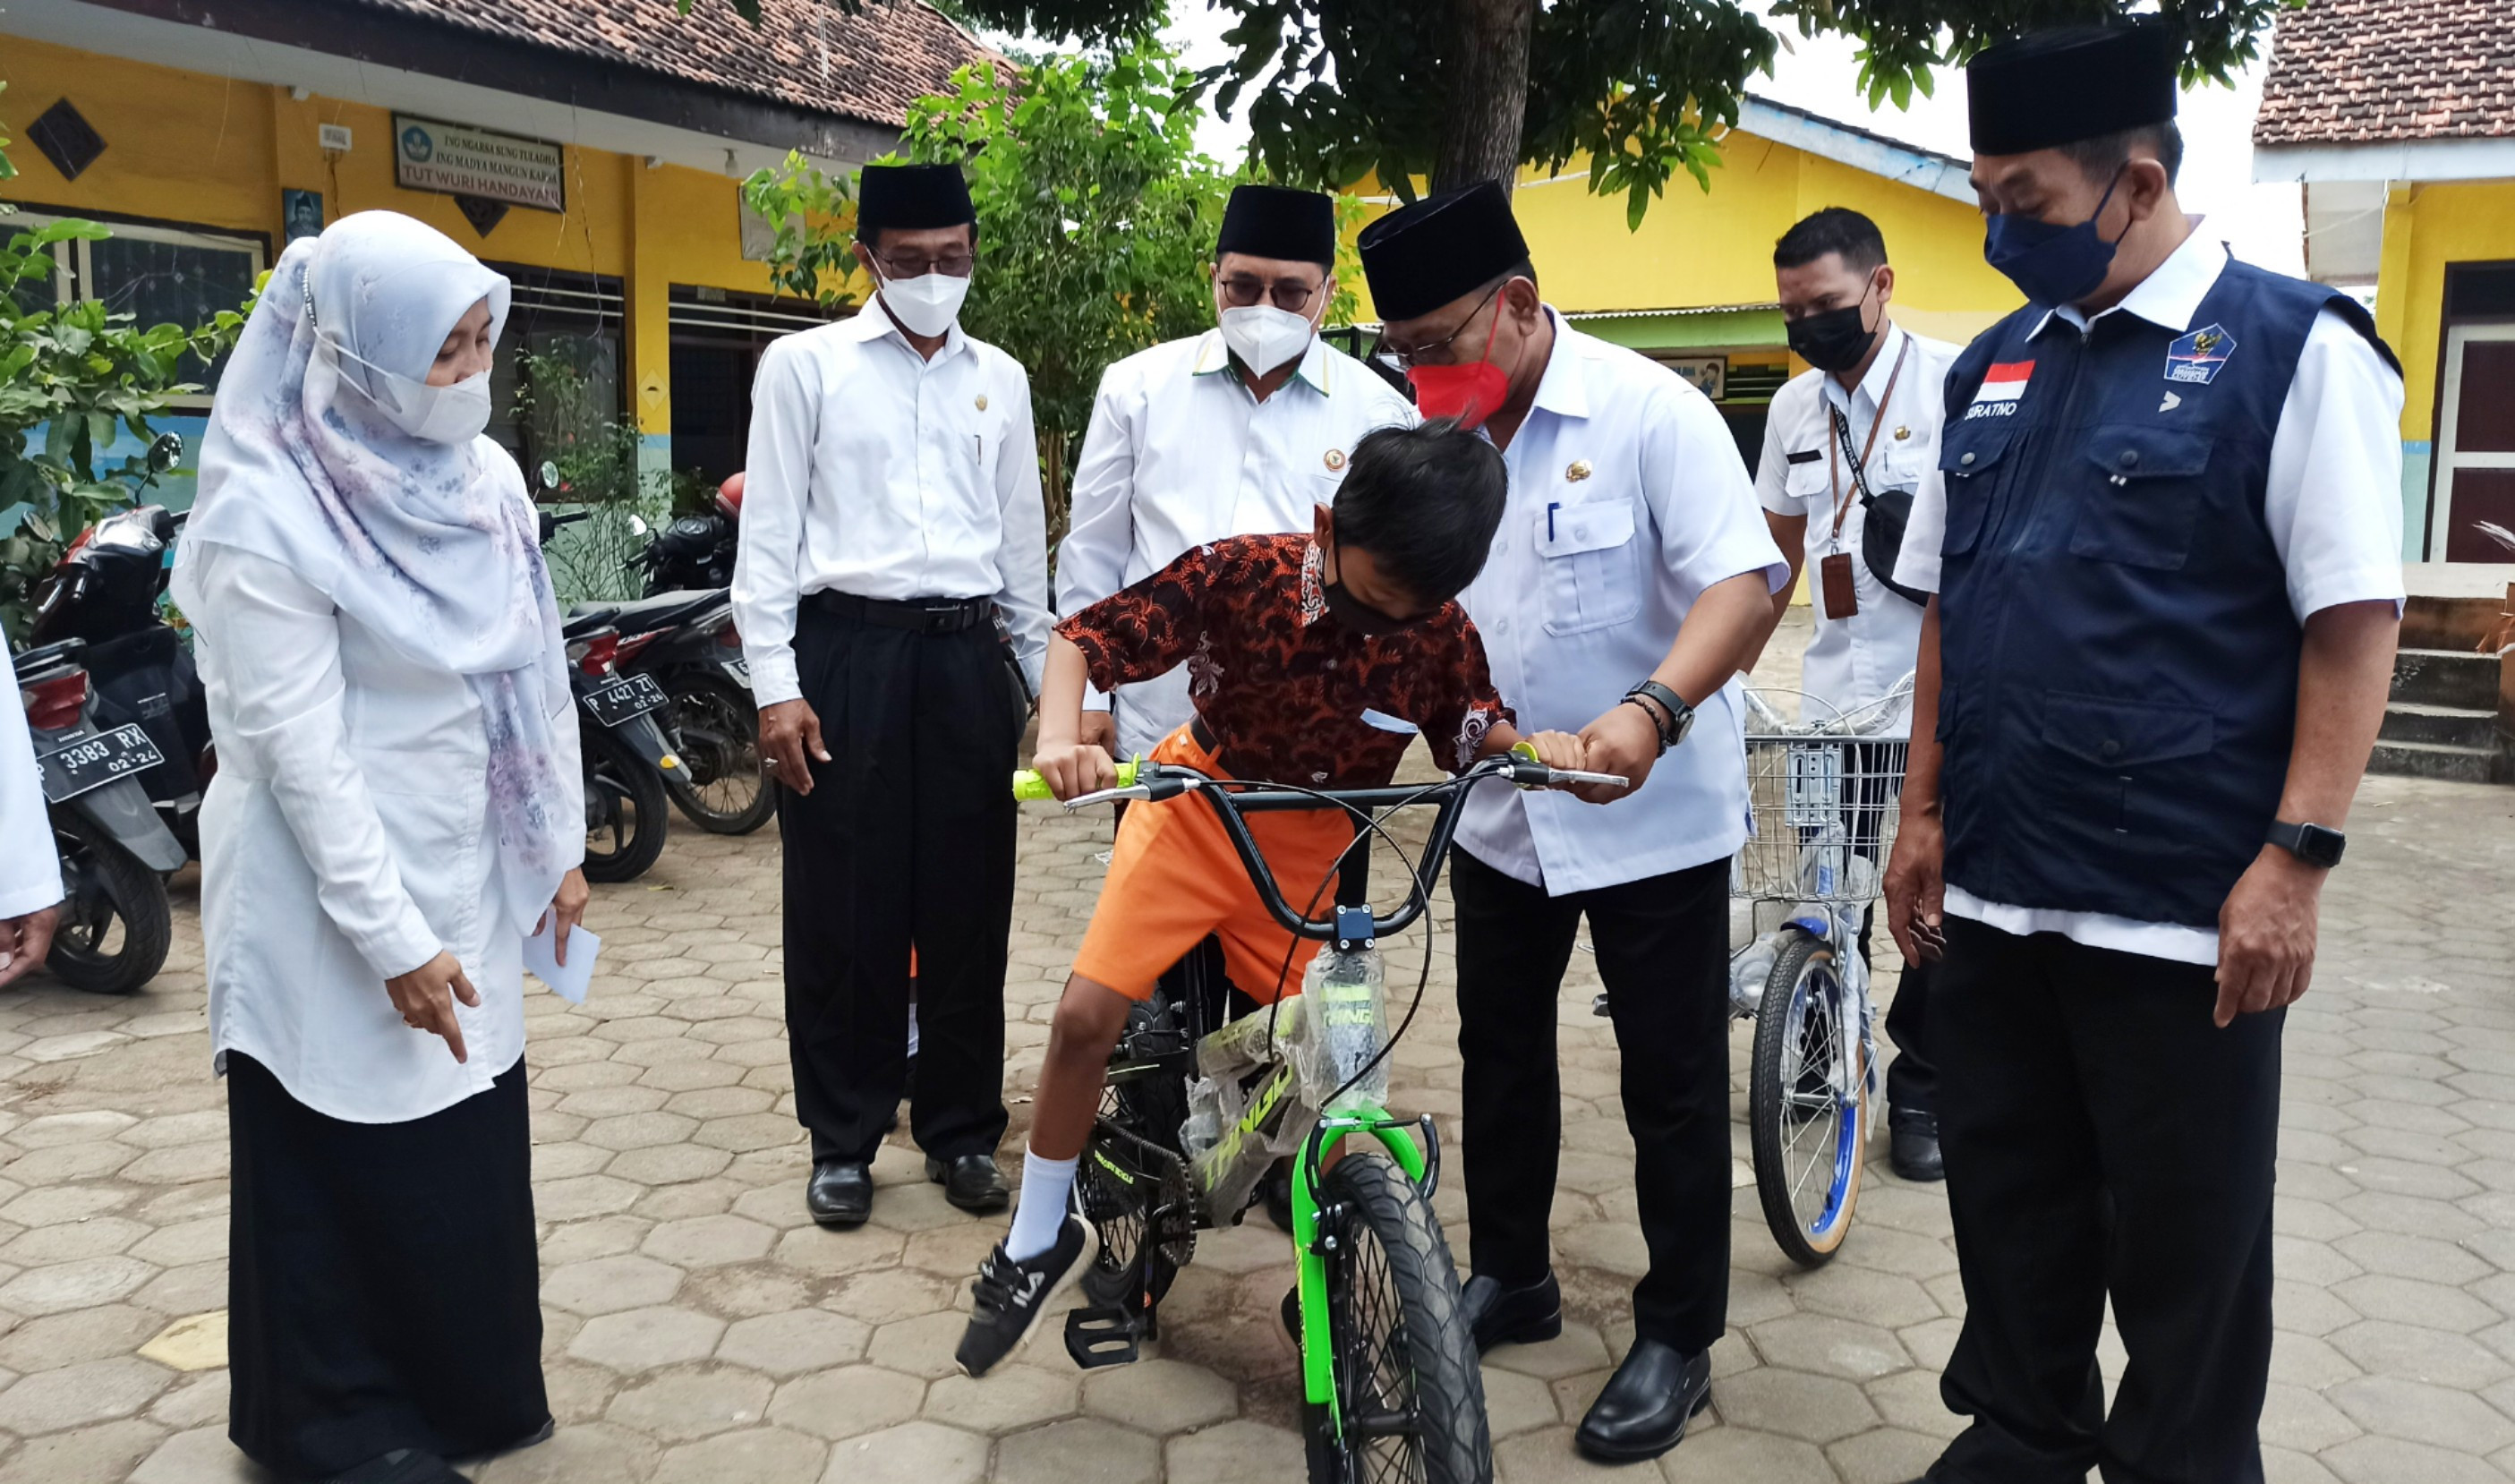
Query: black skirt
{"x":382,"y":1279}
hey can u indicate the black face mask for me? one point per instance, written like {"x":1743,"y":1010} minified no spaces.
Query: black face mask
{"x":1835,"y":339}
{"x":1355,"y":614}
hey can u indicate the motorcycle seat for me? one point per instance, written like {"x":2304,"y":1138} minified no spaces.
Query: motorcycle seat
{"x":646,"y":615}
{"x":46,"y":656}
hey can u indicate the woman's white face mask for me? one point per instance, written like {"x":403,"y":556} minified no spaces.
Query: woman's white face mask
{"x":454,"y":414}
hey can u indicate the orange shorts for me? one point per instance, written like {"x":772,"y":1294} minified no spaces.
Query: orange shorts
{"x":1175,"y":879}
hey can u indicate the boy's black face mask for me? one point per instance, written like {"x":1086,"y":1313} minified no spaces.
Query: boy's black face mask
{"x":1355,"y":614}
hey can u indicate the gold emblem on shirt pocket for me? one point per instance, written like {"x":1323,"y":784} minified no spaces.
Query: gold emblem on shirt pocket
{"x":982,"y":401}
{"x":1335,"y":461}
{"x":1579,"y":471}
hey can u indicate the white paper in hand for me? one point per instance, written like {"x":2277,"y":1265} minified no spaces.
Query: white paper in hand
{"x":572,"y":978}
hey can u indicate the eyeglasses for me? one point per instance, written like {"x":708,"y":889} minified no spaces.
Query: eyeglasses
{"x":950,"y":266}
{"x":1241,"y":290}
{"x":1423,"y":355}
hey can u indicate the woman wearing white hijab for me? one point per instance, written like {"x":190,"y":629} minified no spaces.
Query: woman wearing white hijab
{"x":397,"y":805}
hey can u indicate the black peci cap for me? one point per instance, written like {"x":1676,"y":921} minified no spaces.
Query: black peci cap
{"x":1278,"y":221}
{"x":911,"y":198}
{"x":1421,"y":257}
{"x":2063,"y":85}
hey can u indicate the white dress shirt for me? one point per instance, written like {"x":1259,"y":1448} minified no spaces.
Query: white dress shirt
{"x":30,"y":868}
{"x":1627,"y":500}
{"x":878,"y":473}
{"x":1179,"y":453}
{"x":346,"y":839}
{"x":1854,"y":660}
{"x":2333,"y":502}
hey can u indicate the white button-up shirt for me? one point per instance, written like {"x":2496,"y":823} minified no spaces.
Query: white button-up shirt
{"x":346,"y":839}
{"x":1627,"y":500}
{"x":30,"y":869}
{"x":1854,"y":660}
{"x":1180,"y":454}
{"x":878,"y":473}
{"x":2331,"y":500}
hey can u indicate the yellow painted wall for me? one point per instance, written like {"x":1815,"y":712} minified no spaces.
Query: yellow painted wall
{"x":191,"y":149}
{"x":2425,"y":229}
{"x":1697,"y":249}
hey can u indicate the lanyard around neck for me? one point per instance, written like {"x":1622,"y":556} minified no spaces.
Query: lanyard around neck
{"x":1841,"y":443}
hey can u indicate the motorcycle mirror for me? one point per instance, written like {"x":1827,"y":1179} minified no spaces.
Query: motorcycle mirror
{"x":638,"y":526}
{"x":165,"y":452}
{"x":548,"y":474}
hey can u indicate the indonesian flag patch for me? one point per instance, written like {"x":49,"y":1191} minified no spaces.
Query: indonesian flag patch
{"x":2001,"y":386}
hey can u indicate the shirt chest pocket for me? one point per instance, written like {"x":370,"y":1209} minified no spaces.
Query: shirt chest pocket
{"x":1805,"y":478}
{"x":1973,"y":459}
{"x":2141,"y":498}
{"x":1591,"y":565}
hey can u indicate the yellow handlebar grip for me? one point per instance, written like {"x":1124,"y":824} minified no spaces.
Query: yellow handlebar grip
{"x":1028,"y":784}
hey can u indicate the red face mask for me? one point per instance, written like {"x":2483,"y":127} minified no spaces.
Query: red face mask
{"x":1471,"y":394}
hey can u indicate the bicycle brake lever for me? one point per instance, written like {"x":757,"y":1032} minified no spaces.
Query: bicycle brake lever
{"x":1574,"y":775}
{"x":1134,"y":792}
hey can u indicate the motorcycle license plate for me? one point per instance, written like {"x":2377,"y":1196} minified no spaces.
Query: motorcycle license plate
{"x":740,"y":670}
{"x":92,"y":762}
{"x":630,"y":695}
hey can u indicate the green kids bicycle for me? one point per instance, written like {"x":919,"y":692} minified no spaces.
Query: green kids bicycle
{"x":1199,"y":1108}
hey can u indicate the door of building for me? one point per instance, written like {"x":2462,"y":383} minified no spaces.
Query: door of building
{"x":2475,"y":450}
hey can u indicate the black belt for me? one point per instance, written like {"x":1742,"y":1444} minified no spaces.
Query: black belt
{"x":919,"y":615}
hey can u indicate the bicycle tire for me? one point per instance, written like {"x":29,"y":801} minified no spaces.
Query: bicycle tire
{"x":1151,"y":1110}
{"x":694,"y":695}
{"x":1421,"y":1364}
{"x":124,"y":888}
{"x":625,"y":804}
{"x":1804,"y":966}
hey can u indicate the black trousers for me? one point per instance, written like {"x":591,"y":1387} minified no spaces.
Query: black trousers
{"x":383,"y":1291}
{"x":1663,"y":950}
{"x":907,"y":838}
{"x":2104,"y":1139}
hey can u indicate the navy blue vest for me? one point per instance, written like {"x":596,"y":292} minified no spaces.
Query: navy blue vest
{"x":2118,"y":655}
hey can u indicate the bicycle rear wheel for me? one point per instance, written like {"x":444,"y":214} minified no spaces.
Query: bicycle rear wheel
{"x":1130,"y":1184}
{"x":1404,"y":1360}
{"x":1808,"y":1100}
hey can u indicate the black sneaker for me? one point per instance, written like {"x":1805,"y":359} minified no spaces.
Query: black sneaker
{"x":1009,"y":1298}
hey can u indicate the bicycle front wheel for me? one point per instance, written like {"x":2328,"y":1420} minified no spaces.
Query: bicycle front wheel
{"x":1407,"y":1382}
{"x":1808,"y":1100}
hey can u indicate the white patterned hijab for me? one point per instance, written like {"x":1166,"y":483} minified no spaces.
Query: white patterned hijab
{"x":432,"y":546}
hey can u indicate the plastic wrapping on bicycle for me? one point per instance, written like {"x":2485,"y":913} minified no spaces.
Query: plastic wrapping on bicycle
{"x":1233,"y":799}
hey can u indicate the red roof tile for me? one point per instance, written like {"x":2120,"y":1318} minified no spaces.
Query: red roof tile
{"x":806,"y":53}
{"x":2369,"y":72}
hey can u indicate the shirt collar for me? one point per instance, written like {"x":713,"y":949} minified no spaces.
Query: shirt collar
{"x":1213,"y":355}
{"x":1880,"y":371}
{"x":2170,"y":296}
{"x":1563,"y":391}
{"x":873,"y":322}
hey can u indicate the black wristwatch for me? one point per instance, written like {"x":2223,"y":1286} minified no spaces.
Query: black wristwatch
{"x":1679,"y":716}
{"x":2312,"y":843}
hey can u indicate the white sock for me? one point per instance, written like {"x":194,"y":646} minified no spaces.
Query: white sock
{"x":1040,"y":1215}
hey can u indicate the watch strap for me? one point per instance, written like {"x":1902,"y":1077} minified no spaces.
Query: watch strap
{"x":2314,"y":844}
{"x":1668,"y":712}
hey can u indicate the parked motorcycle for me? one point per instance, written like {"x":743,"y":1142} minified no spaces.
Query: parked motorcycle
{"x":696,"y":552}
{"x":104,"y":591}
{"x":115,"y":922}
{"x":627,"y":756}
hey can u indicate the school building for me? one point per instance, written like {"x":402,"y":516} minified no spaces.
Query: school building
{"x":1693,"y":287}
{"x":2394,"y":115}
{"x":589,"y":150}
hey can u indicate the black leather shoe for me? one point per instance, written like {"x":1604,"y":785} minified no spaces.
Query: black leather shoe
{"x":840,"y":1194}
{"x":1648,"y":1401}
{"x":972,"y":1182}
{"x":402,"y":1465}
{"x":1913,"y":1148}
{"x":1523,"y":1315}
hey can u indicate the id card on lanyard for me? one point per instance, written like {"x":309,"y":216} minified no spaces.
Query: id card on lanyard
{"x":1836,"y":585}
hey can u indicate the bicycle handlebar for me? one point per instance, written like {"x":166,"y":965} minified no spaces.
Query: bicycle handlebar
{"x":1233,"y":799}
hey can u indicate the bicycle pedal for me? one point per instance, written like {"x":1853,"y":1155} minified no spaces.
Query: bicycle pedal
{"x":1101,"y":1337}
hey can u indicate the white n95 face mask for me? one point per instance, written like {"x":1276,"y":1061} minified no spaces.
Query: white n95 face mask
{"x":1265,"y":337}
{"x":454,"y":414}
{"x":925,"y":304}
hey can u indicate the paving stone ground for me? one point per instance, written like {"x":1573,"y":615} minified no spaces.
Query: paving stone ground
{"x":701,"y":1331}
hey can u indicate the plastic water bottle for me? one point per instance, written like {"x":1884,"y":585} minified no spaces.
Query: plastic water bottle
{"x":1749,"y":973}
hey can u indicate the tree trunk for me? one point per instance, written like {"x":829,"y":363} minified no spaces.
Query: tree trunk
{"x":1488,"y":93}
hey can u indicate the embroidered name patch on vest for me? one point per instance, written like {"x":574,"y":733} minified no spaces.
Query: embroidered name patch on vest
{"x":2198,"y":356}
{"x":2001,"y":386}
